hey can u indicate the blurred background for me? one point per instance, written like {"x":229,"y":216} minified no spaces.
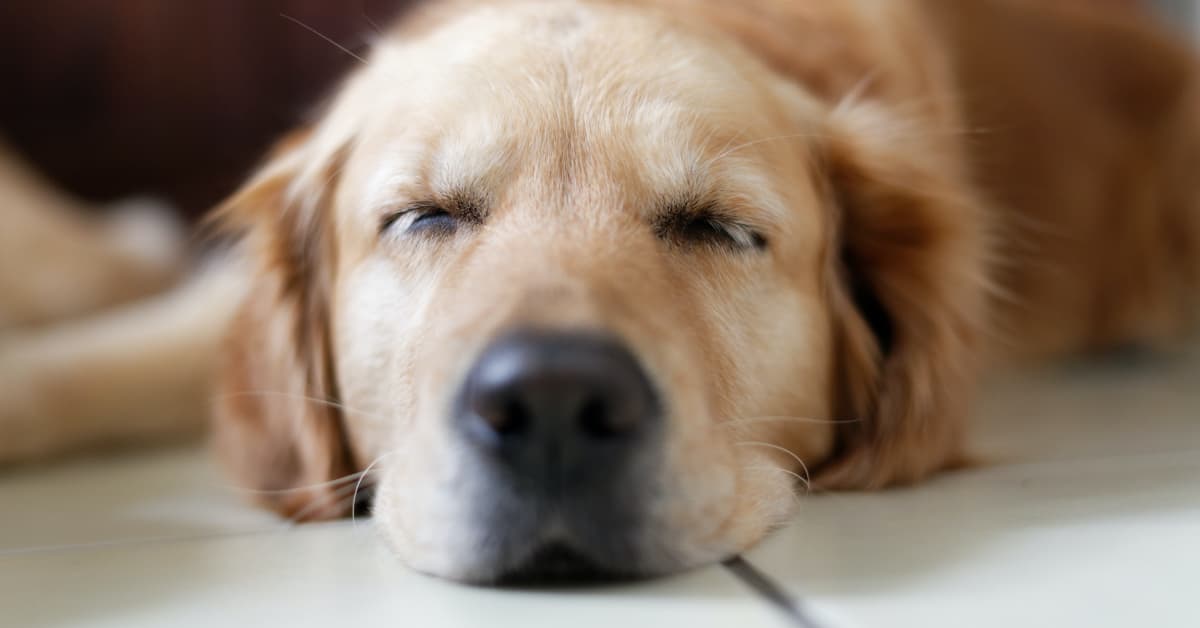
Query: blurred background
{"x":177,"y":99}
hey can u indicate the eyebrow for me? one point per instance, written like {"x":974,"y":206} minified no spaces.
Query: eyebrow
{"x":676,"y":211}
{"x":690,"y":205}
{"x":467,"y":203}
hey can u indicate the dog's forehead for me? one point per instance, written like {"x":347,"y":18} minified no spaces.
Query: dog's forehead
{"x":528,"y":91}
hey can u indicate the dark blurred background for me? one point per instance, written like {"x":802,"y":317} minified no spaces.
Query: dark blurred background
{"x":179,"y":98}
{"x":171,"y":98}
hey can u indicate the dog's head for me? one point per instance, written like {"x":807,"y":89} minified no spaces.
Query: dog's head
{"x":583,"y":285}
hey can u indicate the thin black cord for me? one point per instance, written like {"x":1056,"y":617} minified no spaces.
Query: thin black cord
{"x":769,"y":589}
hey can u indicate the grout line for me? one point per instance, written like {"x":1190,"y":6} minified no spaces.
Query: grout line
{"x":770,"y":590}
{"x":1011,"y":462}
{"x":286,"y":527}
{"x":145,"y":540}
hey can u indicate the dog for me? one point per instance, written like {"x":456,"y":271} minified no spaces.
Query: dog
{"x":592,"y":286}
{"x":102,"y":341}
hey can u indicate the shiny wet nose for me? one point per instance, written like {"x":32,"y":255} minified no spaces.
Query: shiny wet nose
{"x":556,"y":409}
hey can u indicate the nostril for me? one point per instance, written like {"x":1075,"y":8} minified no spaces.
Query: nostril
{"x":601,"y":418}
{"x":506,"y":416}
{"x":595,"y":419}
{"x":564,"y":397}
{"x":515,"y":419}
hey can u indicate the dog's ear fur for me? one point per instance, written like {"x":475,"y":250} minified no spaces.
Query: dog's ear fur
{"x":907,"y":289}
{"x":278,"y":425}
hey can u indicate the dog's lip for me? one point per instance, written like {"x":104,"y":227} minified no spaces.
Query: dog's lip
{"x":558,"y":563}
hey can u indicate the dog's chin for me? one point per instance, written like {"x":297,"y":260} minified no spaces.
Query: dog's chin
{"x":545,"y":565}
{"x":521,"y":555}
{"x":560,"y":564}
{"x":509,"y":542}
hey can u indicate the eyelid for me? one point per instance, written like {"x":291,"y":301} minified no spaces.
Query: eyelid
{"x":746,"y":236}
{"x":738,"y":234}
{"x":391,"y":216}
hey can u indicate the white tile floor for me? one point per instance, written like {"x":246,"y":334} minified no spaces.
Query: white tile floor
{"x":1089,"y":516}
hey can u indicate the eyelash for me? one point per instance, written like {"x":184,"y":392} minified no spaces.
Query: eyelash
{"x":712,"y":230}
{"x":684,"y":228}
{"x":429,"y":217}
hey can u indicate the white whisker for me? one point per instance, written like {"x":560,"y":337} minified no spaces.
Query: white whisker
{"x":345,"y":479}
{"x":354,"y":500}
{"x":777,"y":138}
{"x":337,"y":405}
{"x":803,"y":480}
{"x":333,"y":498}
{"x":786,"y":419}
{"x":370,"y":20}
{"x":755,"y":443}
{"x":323,"y":36}
{"x":856,"y":92}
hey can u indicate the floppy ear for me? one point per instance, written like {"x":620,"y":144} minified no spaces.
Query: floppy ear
{"x":908,"y":293}
{"x":278,"y":427}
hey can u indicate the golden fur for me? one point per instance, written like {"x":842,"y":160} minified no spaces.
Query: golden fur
{"x":938,"y":185}
{"x":934,"y":197}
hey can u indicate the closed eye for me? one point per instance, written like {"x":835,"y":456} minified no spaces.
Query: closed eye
{"x":438,"y":220}
{"x":431,"y":217}
{"x":413,"y":216}
{"x":705,"y":227}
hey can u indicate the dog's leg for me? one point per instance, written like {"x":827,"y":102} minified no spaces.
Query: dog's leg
{"x":1173,"y":258}
{"x":1189,"y":206}
{"x":58,"y":260}
{"x":135,"y":374}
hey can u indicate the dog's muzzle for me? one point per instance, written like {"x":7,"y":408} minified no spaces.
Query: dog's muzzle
{"x":566,"y":427}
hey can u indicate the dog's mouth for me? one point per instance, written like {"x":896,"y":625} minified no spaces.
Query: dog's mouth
{"x":559,"y":564}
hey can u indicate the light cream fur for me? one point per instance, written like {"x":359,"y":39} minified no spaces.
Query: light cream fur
{"x":909,"y":229}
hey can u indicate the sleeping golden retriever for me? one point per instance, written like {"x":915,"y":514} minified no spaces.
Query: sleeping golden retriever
{"x":586,"y":285}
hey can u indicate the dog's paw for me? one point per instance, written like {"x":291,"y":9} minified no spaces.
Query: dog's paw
{"x":19,"y":428}
{"x":148,"y":233}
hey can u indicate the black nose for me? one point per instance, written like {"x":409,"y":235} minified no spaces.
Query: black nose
{"x":558,"y":409}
